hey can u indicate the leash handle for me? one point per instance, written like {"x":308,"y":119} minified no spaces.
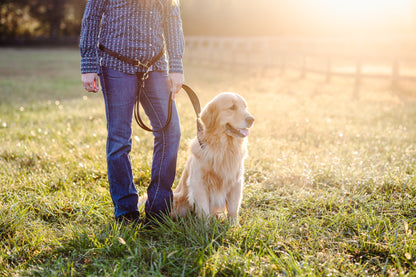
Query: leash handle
{"x":137,"y":111}
{"x":195,"y":103}
{"x":192,"y":96}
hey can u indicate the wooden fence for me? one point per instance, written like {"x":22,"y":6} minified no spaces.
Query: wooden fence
{"x":391,"y":59}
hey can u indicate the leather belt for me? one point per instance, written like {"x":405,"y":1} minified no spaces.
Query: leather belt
{"x":129,"y":60}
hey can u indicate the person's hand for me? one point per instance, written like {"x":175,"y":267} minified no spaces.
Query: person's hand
{"x":176,"y":81}
{"x":90,"y":82}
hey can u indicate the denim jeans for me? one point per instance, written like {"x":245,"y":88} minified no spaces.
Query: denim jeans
{"x":119,"y":90}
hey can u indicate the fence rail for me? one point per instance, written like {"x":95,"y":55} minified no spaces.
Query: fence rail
{"x":391,"y":59}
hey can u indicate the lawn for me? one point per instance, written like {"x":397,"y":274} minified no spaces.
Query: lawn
{"x":330,"y":181}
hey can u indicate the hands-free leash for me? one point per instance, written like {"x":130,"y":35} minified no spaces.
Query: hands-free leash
{"x":143,"y":77}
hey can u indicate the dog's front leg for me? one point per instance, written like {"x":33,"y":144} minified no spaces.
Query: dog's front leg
{"x":202,"y":205}
{"x":233,"y":202}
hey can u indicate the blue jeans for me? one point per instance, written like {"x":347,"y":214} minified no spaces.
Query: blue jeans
{"x":119,"y":90}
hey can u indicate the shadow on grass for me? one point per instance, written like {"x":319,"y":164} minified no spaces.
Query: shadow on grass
{"x":175,"y":248}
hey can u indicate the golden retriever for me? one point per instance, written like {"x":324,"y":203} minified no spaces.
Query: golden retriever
{"x":212,"y":181}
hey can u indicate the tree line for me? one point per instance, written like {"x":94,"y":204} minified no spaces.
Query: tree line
{"x":55,"y":19}
{"x":62,"y":18}
{"x":40,"y":18}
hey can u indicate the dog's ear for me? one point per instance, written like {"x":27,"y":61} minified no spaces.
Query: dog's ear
{"x":209,"y":116}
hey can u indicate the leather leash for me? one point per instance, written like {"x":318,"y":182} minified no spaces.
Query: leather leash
{"x":197,"y":108}
{"x":143,"y":77}
{"x":129,"y":60}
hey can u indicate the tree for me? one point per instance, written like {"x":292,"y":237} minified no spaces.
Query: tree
{"x":10,"y":18}
{"x":50,"y":13}
{"x":51,"y":18}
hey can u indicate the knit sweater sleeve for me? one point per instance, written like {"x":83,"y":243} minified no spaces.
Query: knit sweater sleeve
{"x":90,"y":29}
{"x":175,"y":43}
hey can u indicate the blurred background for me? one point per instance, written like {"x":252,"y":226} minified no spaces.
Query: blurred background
{"x":29,"y":19}
{"x":355,"y":38}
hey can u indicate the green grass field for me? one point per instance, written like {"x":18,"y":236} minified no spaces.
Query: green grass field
{"x":330,"y":180}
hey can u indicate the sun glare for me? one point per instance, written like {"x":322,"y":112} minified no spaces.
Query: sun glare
{"x":361,"y":9}
{"x":360,"y":15}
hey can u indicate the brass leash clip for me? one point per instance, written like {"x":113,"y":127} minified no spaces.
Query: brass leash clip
{"x":145,"y":76}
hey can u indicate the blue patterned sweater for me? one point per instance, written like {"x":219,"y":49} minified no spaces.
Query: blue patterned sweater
{"x":132,"y":30}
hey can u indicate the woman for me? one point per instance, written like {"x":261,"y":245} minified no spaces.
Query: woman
{"x":137,"y":30}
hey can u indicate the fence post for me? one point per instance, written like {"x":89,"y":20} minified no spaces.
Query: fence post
{"x":395,"y":74}
{"x":357,"y":77}
{"x":282,"y":58}
{"x":303,"y":69}
{"x":328,"y":68}
{"x":286,"y":54}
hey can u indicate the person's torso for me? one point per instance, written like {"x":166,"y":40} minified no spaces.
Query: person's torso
{"x":131,"y":29}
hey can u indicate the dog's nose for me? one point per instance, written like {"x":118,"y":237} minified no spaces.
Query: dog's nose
{"x":250,"y":120}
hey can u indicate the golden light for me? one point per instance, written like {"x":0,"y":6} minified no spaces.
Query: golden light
{"x":361,"y":9}
{"x":363,"y":16}
{"x":300,"y":17}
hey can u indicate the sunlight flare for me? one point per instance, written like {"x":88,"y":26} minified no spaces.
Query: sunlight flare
{"x":364,"y":15}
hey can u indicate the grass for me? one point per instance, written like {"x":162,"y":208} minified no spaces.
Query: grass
{"x":330,"y":181}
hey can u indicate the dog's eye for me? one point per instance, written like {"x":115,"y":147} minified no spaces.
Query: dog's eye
{"x":233,"y":107}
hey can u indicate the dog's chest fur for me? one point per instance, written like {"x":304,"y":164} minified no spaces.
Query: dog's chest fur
{"x":221,"y":164}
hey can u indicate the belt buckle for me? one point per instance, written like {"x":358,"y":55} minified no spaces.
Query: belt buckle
{"x":138,"y":63}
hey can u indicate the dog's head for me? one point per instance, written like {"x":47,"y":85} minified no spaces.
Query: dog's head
{"x":227,"y":113}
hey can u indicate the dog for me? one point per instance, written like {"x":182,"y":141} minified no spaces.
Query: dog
{"x":212,"y":181}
